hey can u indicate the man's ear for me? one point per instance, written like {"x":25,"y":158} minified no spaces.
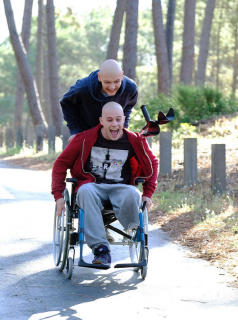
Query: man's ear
{"x":98,"y":76}
{"x":101,"y":120}
{"x":122,"y":75}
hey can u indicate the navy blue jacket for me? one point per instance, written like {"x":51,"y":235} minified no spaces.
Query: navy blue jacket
{"x":82,"y":104}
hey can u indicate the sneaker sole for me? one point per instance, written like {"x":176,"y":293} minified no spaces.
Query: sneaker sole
{"x":100,"y":262}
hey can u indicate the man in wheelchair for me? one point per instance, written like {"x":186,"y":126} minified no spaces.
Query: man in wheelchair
{"x":106,"y":160}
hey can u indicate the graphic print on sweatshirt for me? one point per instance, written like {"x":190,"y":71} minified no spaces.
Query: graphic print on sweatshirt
{"x":107,"y":163}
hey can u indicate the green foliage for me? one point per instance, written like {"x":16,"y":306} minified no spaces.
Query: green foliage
{"x":197,"y":103}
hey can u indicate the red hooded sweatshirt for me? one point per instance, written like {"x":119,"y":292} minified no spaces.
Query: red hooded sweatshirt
{"x":76,"y":153}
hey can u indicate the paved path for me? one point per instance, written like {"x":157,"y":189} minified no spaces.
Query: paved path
{"x":177,"y":287}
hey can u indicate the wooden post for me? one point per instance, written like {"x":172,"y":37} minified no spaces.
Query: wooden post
{"x":39,"y":137}
{"x":51,"y":139}
{"x":9,"y":138}
{"x":190,"y":161}
{"x":19,"y":136}
{"x":66,"y":136}
{"x":30,"y":135}
{"x":165,"y":153}
{"x":218,"y":168}
{"x":149,"y":140}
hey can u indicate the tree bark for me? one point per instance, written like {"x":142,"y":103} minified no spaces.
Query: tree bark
{"x":46,"y":83}
{"x":218,"y":46}
{"x":116,"y":30}
{"x":39,"y":51}
{"x":161,"y":48}
{"x":24,"y":67}
{"x":188,"y":42}
{"x":235,"y":63}
{"x":170,"y":36}
{"x":53,"y":68}
{"x":20,"y":89}
{"x":130,"y":45}
{"x":234,"y":81}
{"x":204,"y":43}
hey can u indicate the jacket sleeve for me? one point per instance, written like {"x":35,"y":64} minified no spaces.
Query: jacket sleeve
{"x":70,"y":103}
{"x":128,"y":108}
{"x":65,"y":161}
{"x":151,"y":184}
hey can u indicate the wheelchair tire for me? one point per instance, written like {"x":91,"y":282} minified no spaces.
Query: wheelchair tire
{"x":143,"y":272}
{"x":135,"y":248}
{"x":58,"y":237}
{"x":66,"y":231}
{"x":69,"y":270}
{"x":61,"y":235}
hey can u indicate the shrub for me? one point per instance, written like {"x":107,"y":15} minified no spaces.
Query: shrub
{"x":198,"y":103}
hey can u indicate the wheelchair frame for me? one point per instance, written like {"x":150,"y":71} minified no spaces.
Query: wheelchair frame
{"x":65,"y":238}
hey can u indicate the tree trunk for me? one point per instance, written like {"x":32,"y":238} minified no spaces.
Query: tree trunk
{"x":39,"y":51}
{"x":170,"y":36}
{"x":234,"y":82}
{"x":116,"y":30}
{"x":53,"y":67}
{"x":161,"y":49}
{"x":218,"y":45}
{"x":204,"y":43}
{"x":188,"y":42}
{"x":20,"y":89}
{"x":46,"y":83}
{"x":24,"y":67}
{"x":130,"y":45}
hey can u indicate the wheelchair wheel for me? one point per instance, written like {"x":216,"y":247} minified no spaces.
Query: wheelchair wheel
{"x":70,"y":267}
{"x":135,"y":248}
{"x":66,"y":231}
{"x":61,"y":235}
{"x":58,"y":237}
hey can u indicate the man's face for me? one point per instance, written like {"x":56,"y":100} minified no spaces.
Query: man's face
{"x":112,"y":122}
{"x":111,"y":82}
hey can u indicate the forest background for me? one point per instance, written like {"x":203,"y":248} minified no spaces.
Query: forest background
{"x":184,"y":55}
{"x":82,"y":45}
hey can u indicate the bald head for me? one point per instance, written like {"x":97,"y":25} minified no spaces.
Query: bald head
{"x":113,"y":108}
{"x":110,"y":66}
{"x":111,"y":76}
{"x":112,"y":120}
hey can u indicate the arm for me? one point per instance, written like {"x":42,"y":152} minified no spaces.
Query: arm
{"x":128,"y":108}
{"x":65,"y":161}
{"x":70,"y":103}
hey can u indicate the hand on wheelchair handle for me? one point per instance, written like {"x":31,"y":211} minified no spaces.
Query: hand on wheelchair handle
{"x":148,"y":202}
{"x":60,"y":206}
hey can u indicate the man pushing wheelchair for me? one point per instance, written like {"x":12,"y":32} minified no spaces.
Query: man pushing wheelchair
{"x":106,"y":160}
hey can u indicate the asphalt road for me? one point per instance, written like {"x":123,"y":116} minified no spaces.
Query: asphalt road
{"x":31,"y":287}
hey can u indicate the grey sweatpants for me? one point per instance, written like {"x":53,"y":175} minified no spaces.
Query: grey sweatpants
{"x":92,"y":197}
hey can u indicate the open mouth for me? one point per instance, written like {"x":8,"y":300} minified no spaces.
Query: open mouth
{"x":112,"y":91}
{"x":114,"y":133}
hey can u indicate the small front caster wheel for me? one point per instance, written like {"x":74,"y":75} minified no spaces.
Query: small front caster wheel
{"x":69,"y":269}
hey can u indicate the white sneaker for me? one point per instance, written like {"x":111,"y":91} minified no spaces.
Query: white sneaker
{"x":109,"y":236}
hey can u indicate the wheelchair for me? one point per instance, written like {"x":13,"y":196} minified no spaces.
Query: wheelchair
{"x":66,"y":236}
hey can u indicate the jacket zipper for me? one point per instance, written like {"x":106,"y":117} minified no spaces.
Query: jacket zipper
{"x":82,"y":163}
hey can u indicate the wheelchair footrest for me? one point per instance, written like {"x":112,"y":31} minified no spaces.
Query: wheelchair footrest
{"x":143,"y":263}
{"x":93,"y":265}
